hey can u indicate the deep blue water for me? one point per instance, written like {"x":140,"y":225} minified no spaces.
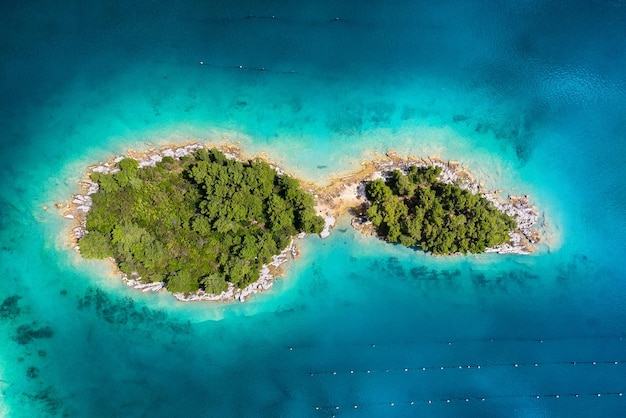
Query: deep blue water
{"x":529,"y":95}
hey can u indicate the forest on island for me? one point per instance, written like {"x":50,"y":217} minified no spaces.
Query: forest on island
{"x":418,"y":210}
{"x":199,"y":222}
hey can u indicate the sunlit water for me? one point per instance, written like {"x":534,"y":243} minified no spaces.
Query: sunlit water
{"x":529,"y":96}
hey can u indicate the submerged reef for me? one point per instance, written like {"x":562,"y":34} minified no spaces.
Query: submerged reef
{"x":124,"y":312}
{"x":24,"y":334}
{"x":47,"y":399}
{"x":10,"y":308}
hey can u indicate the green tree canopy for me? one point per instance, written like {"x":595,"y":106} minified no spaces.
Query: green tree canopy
{"x":417,"y":209}
{"x":196,"y":223}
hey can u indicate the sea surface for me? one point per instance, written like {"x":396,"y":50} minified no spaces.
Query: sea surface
{"x":530,"y":96}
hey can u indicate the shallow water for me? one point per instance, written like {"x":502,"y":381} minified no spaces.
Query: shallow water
{"x":529,"y":96}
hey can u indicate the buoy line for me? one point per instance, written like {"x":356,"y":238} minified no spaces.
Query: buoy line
{"x":331,"y":409}
{"x":452,"y":342}
{"x":467,"y":367}
{"x":246,"y":68}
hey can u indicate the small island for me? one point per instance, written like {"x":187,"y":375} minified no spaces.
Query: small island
{"x":416,"y":209}
{"x":211,"y":224}
{"x":202,"y":222}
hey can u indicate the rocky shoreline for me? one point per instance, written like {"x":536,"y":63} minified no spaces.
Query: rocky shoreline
{"x":269,"y":272}
{"x":343,"y":195}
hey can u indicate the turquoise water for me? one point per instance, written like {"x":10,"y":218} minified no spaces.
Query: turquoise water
{"x":530,"y":96}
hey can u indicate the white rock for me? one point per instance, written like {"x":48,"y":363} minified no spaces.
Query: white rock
{"x":329,"y":222}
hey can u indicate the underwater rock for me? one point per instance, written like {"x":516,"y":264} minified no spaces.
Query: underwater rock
{"x":123,"y":311}
{"x":26,"y":333}
{"x":9,"y":308}
{"x":45,"y":397}
{"x":32,"y":372}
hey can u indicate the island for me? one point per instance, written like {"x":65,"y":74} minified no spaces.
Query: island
{"x":416,"y":209}
{"x":212,"y":224}
{"x":202,"y":222}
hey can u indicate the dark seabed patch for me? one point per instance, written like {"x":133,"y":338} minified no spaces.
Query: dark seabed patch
{"x":10,"y":308}
{"x":125,"y":312}
{"x":24,"y":334}
{"x":578,"y":266}
{"x":32,"y":372}
{"x":47,"y":399}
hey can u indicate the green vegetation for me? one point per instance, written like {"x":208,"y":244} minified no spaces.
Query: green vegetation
{"x":198,"y":222}
{"x":418,"y":210}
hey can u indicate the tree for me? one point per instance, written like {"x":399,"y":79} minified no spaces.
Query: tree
{"x":182,"y":282}
{"x":378,"y":191}
{"x":129,"y":165}
{"x":213,"y":284}
{"x":400,"y":184}
{"x":95,"y":245}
